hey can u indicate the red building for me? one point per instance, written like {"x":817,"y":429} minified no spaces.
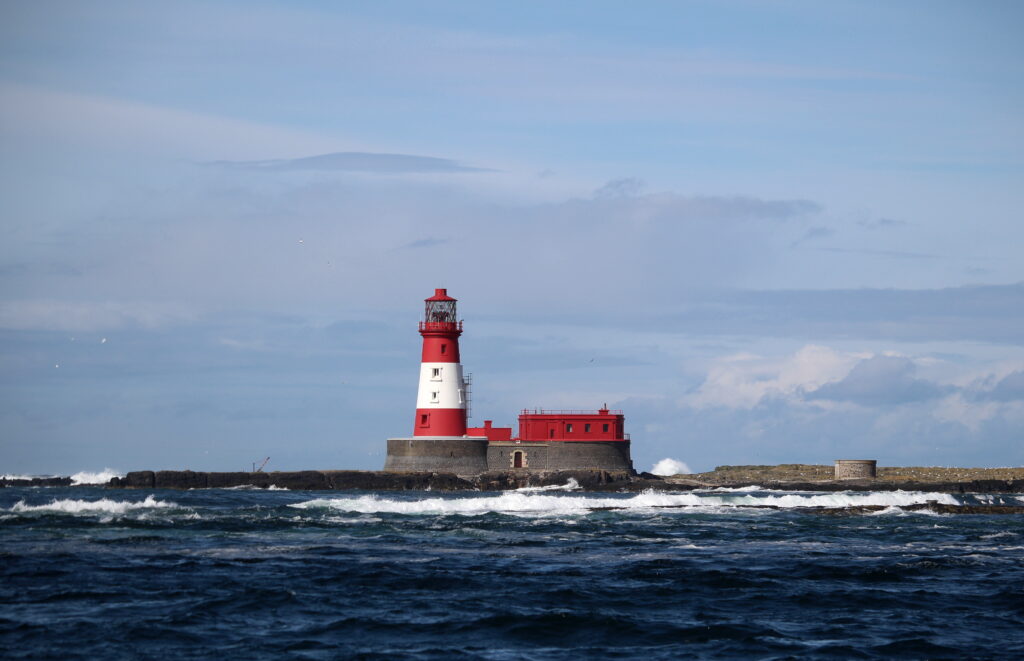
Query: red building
{"x":544,"y":425}
{"x":551,"y":425}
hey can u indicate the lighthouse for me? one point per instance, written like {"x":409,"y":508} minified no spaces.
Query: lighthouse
{"x":439,"y":442}
{"x":441,"y":400}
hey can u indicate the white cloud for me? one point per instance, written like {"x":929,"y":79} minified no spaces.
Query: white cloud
{"x":956,"y":408}
{"x":742,"y":381}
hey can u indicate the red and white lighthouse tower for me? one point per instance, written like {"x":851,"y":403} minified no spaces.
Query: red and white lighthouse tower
{"x":441,"y":401}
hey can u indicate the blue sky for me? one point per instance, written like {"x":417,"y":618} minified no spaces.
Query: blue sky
{"x":769,"y":231}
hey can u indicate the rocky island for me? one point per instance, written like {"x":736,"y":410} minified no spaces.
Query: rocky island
{"x":791,"y":477}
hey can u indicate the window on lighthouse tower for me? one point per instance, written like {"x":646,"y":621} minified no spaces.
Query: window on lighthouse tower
{"x":435,"y":373}
{"x":434,"y":397}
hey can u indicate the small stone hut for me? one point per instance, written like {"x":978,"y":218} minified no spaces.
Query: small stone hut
{"x":855,"y":469}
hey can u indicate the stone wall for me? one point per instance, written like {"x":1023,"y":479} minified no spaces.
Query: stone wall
{"x":560,"y":455}
{"x":461,"y":456}
{"x":854,"y":469}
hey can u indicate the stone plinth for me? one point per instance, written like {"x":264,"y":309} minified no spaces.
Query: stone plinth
{"x":459,"y":455}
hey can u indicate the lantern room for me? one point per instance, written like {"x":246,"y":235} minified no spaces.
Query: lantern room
{"x":439,"y":311}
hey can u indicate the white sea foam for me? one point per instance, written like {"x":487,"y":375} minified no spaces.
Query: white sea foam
{"x":101,"y":477}
{"x":516,"y":502}
{"x":102,"y":506}
{"x":12,"y":476}
{"x":669,"y":466}
{"x":571,"y":485}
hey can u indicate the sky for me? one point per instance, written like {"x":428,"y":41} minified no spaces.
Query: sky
{"x":770,"y":232}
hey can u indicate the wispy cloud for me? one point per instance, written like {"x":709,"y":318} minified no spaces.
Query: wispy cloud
{"x":624,"y":187}
{"x":882,"y":223}
{"x":355,"y":162}
{"x":814,"y":233}
{"x":894,"y":254}
{"x":427,"y":242}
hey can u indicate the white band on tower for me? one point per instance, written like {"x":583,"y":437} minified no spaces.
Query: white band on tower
{"x":441,"y":386}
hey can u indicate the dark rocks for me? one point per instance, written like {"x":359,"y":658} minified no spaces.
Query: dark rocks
{"x":36,"y":482}
{"x":299,"y":480}
{"x":225,"y":480}
{"x":972,"y":486}
{"x":134,"y":480}
{"x":590,"y":480}
{"x":597,"y":480}
{"x":180,"y":480}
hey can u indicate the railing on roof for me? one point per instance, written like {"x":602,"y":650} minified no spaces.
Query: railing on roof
{"x":570,"y":412}
{"x":579,"y":439}
{"x":441,"y":326}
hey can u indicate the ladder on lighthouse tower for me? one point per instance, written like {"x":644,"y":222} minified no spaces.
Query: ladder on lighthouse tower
{"x":467,"y":387}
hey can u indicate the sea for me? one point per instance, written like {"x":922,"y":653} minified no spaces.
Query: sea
{"x":543,"y":573}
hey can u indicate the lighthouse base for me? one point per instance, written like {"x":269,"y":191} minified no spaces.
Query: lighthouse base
{"x":559,"y":455}
{"x":440,"y":454}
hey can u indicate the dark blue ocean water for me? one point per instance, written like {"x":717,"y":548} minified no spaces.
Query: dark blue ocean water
{"x":87,"y":573}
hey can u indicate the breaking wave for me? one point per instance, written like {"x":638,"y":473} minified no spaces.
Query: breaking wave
{"x":102,"y":506}
{"x":667,"y":467}
{"x":101,"y":477}
{"x":571,"y":485}
{"x":518,"y":502}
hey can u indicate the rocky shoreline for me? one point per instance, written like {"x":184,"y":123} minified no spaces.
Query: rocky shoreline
{"x":339,"y":480}
{"x":786,"y":477}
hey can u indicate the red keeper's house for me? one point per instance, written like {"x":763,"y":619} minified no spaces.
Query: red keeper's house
{"x":553,"y":425}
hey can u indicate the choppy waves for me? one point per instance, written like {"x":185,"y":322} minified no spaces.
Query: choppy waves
{"x":536,"y":503}
{"x":91,"y":507}
{"x":556,"y":574}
